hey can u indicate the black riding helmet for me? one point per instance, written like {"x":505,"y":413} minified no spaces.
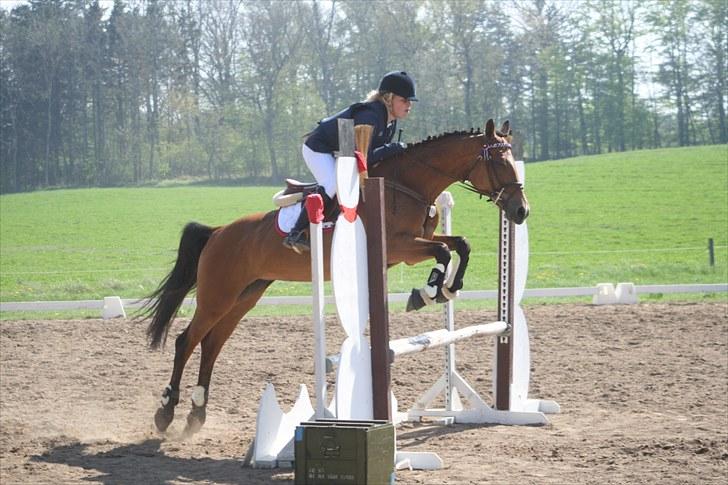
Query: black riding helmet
{"x":399,"y":83}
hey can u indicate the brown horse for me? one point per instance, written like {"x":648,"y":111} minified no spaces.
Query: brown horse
{"x":233,"y":265}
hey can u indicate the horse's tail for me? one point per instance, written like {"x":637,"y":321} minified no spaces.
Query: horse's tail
{"x":165,"y":301}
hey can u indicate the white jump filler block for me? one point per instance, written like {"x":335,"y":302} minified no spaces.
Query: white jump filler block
{"x":113,"y":308}
{"x":626,"y":294}
{"x":605,"y":295}
{"x":274,"y":429}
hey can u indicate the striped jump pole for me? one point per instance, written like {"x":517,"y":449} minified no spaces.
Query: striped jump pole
{"x":504,"y":347}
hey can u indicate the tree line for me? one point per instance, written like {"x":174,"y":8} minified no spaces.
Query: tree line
{"x":138,"y":91}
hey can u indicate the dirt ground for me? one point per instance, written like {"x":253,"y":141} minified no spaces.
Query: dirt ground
{"x":643,"y":391}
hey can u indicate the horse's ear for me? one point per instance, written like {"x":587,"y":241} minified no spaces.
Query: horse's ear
{"x":490,"y":128}
{"x":506,"y":128}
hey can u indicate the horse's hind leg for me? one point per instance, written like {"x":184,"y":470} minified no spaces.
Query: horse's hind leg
{"x":211,"y":346}
{"x":184,"y":345}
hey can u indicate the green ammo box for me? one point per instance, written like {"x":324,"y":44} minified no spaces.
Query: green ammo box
{"x":344,"y":452}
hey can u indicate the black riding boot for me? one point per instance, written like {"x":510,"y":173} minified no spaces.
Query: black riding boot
{"x":297,"y":239}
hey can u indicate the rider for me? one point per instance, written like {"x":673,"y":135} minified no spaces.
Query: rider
{"x":382,"y":108}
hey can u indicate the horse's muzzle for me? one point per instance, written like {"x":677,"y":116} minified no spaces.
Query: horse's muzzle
{"x":517,"y":210}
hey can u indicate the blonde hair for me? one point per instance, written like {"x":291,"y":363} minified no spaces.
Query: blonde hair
{"x":383,"y":96}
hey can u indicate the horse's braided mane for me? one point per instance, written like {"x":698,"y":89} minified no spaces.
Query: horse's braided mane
{"x":441,"y":136}
{"x":430,"y":139}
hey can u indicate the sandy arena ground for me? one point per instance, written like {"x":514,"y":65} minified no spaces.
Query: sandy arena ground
{"x":643,"y":391}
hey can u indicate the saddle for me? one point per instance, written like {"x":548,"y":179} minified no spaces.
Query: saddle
{"x":291,"y":200}
{"x":294,"y":192}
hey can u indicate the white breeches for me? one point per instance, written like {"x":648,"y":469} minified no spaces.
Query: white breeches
{"x":323,"y":168}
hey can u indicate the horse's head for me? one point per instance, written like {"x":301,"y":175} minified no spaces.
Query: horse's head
{"x":495,"y":173}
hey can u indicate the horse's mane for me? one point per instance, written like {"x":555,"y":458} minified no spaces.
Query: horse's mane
{"x":443,"y":136}
{"x":415,"y":149}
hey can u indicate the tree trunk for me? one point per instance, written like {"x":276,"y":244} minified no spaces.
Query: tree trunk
{"x":534,"y":142}
{"x":137,"y":141}
{"x":150,"y":134}
{"x":543,"y":115}
{"x":582,"y":123}
{"x":597,"y":119}
{"x":468,"y":87}
{"x":47,"y":163}
{"x":99,"y":135}
{"x":558,"y":142}
{"x":270,"y":139}
{"x":620,"y":104}
{"x":18,"y":184}
{"x":656,"y":125}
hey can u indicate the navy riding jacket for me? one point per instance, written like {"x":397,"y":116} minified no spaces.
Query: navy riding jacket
{"x":325,"y":138}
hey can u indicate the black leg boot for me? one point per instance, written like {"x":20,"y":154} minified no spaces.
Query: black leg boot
{"x":297,"y":239}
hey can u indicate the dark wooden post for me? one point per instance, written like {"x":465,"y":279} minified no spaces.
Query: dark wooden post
{"x":378,"y":306}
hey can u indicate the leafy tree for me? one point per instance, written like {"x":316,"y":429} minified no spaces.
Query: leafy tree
{"x":155,"y":89}
{"x":670,"y":20}
{"x":272,"y":36}
{"x":712,"y":65}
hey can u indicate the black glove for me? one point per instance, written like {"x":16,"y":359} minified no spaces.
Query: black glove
{"x":387,"y":150}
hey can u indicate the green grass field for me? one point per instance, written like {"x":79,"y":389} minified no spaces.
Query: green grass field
{"x":642,"y":216}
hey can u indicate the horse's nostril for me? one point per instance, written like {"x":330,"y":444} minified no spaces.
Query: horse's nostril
{"x":522,"y":213}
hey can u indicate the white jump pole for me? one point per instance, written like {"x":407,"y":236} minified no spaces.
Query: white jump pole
{"x":314,"y":206}
{"x":438,"y":338}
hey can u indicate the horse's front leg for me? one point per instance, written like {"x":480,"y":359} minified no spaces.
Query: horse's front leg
{"x":454,"y":281}
{"x":414,"y":250}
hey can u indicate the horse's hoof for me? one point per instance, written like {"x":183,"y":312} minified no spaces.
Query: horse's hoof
{"x":195,"y":420}
{"x":415,"y":301}
{"x":163,"y":417}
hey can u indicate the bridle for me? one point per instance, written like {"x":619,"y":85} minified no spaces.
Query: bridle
{"x":497,"y":195}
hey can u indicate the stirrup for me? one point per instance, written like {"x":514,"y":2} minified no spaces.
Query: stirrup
{"x":297,"y":242}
